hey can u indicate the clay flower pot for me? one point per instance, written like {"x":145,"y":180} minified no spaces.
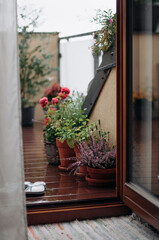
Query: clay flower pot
{"x":65,"y":153}
{"x":52,"y":153}
{"x":100,"y":177}
{"x":82,"y":172}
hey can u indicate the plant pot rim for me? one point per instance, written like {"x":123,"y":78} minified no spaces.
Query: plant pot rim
{"x":47,"y":142}
{"x":63,"y":144}
{"x":28,"y":106}
{"x":99,"y":182}
{"x":90,"y":169}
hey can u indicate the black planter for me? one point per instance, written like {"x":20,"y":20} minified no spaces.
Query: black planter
{"x":27,"y":116}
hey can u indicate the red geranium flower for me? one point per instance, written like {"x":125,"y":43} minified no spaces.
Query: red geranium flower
{"x":55,"y":101}
{"x":65,"y":90}
{"x":63,"y":95}
{"x":43,"y":101}
{"x":46,"y":121}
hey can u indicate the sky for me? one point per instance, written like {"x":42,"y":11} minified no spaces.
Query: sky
{"x":68,"y":17}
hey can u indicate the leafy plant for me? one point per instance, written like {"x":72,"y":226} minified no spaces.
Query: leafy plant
{"x":72,"y":121}
{"x":49,"y":132}
{"x":35,"y":62}
{"x":104,"y":37}
{"x":69,"y":120}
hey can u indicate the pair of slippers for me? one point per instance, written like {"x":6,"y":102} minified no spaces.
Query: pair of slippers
{"x":34,"y":189}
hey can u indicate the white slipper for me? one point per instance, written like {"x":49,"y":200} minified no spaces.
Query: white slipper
{"x":39,"y":183}
{"x":26,"y":184}
{"x":33,"y":190}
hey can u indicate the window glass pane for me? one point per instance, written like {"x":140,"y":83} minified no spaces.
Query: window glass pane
{"x":144,"y":166}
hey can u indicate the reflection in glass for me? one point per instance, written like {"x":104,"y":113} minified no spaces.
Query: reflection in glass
{"x":145,"y":87}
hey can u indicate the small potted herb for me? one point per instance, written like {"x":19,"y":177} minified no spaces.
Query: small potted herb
{"x":99,"y":158}
{"x":83,"y":135}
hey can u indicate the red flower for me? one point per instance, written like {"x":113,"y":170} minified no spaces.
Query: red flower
{"x":63,"y":95}
{"x":43,"y":101}
{"x":55,"y":101}
{"x":65,"y":90}
{"x":46,"y":121}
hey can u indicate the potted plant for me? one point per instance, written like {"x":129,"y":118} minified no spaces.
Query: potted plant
{"x":71,"y":121}
{"x":56,"y":113}
{"x":81,"y":136}
{"x":35,"y":66}
{"x":99,"y":158}
{"x":49,"y":133}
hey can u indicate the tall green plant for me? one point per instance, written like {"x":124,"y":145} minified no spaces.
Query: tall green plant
{"x":35,"y":62}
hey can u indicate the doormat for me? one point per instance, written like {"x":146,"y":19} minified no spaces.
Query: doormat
{"x":114,"y":228}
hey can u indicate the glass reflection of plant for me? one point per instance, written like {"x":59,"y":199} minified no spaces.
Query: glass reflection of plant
{"x":143,"y":101}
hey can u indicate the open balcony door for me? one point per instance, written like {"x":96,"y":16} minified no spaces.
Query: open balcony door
{"x":138,"y":109}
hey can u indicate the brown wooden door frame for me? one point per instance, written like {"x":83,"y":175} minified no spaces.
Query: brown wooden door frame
{"x":141,"y":202}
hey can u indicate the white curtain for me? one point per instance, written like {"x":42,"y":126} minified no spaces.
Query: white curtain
{"x":76,"y":64}
{"x":12,"y":197}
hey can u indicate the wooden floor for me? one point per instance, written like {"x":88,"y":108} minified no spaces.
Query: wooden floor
{"x":60,"y":186}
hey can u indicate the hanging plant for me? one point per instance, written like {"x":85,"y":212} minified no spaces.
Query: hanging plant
{"x":104,"y":38}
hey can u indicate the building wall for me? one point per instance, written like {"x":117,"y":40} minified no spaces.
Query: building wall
{"x":146,"y":73}
{"x":105,"y":108}
{"x":50,"y":43}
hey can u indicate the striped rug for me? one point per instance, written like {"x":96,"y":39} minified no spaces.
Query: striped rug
{"x":115,"y":228}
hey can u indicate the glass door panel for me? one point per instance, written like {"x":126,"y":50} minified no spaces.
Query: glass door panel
{"x":144,"y":122}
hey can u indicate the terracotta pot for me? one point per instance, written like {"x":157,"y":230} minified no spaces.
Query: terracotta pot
{"x":52,"y":153}
{"x":77,"y":151}
{"x":107,"y":173}
{"x":82,"y":172}
{"x":65,"y":153}
{"x":100,"y":177}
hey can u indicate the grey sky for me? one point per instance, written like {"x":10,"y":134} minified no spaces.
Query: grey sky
{"x":68,"y":16}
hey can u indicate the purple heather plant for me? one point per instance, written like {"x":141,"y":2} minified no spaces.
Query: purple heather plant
{"x":96,"y":154}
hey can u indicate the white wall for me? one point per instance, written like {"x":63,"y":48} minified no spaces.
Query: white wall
{"x":76,"y":64}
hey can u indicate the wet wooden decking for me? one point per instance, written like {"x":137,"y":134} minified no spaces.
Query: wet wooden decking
{"x":60,"y":186}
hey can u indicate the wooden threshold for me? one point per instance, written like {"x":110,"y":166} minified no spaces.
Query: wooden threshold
{"x":59,"y":213}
